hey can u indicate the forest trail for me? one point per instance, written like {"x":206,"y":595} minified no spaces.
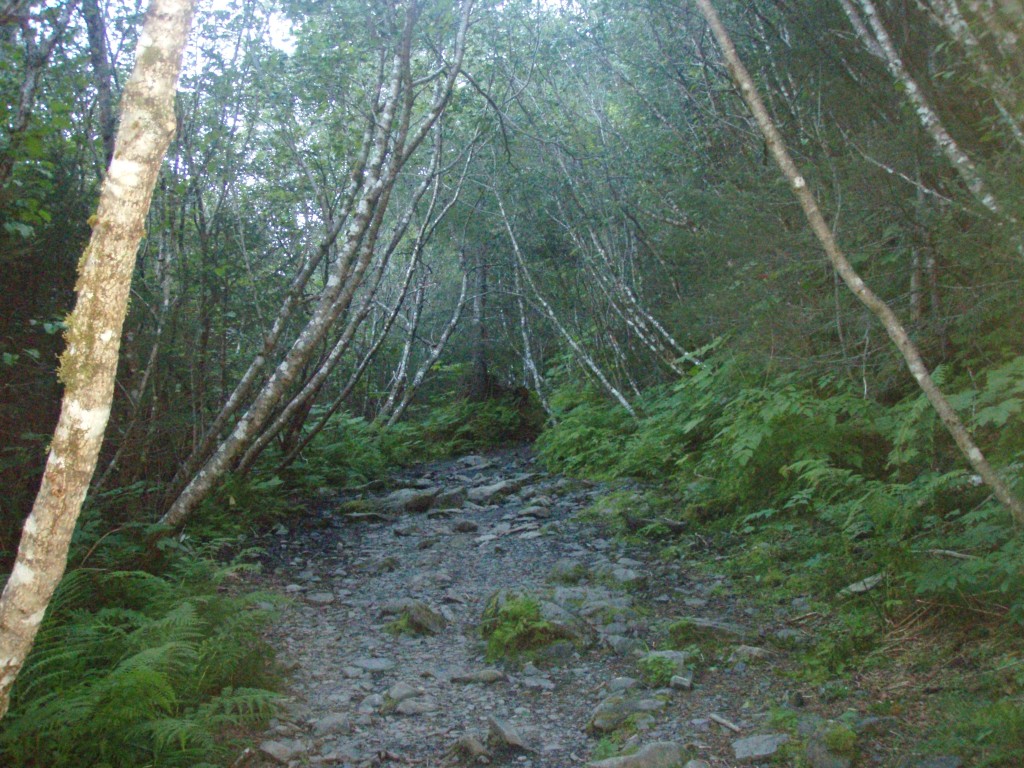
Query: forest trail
{"x":387,"y":664}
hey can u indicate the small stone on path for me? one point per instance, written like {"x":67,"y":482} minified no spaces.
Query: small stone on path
{"x":485,"y":676}
{"x":320,"y":598}
{"x":374,"y":664}
{"x":660,"y":754}
{"x":756,"y":747}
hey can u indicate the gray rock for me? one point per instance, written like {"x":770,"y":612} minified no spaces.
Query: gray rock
{"x":617,"y":708}
{"x":399,"y":692}
{"x":320,"y":598}
{"x":485,"y":676}
{"x":421,"y":618}
{"x":619,"y":684}
{"x":332,"y":724}
{"x":501,"y":733}
{"x":698,"y":764}
{"x":410,"y":500}
{"x":283,"y":751}
{"x":489,"y":494}
{"x":757,"y":747}
{"x":451,"y":498}
{"x":374,"y":664}
{"x":682,"y":682}
{"x":416,"y":706}
{"x":372,"y":703}
{"x":660,"y":754}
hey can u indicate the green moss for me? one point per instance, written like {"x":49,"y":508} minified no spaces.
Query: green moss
{"x":658,"y":670}
{"x":608,"y":746}
{"x":356,"y":507}
{"x":400,"y":626}
{"x":514,"y":626}
{"x":841,"y":739}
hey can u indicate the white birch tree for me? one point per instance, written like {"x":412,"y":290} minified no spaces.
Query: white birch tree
{"x":89,"y":363}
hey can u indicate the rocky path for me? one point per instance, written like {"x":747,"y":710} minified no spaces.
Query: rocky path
{"x":388,"y":667}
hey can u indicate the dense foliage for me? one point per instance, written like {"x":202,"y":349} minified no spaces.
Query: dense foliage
{"x":150,"y":654}
{"x":361,"y":253}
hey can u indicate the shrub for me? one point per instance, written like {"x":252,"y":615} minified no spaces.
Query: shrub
{"x":136,"y":668}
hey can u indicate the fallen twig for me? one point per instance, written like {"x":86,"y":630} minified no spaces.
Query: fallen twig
{"x":725,"y":723}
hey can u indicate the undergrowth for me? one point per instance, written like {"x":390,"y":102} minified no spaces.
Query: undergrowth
{"x":800,"y":487}
{"x":149,"y":655}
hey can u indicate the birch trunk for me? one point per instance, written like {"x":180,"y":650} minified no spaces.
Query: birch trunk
{"x":396,"y":141}
{"x":89,"y":363}
{"x":874,"y":303}
{"x":581,"y":354}
{"x":880,"y":44}
{"x":436,"y":350}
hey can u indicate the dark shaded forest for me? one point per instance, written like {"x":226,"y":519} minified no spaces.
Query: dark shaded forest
{"x":390,"y":232}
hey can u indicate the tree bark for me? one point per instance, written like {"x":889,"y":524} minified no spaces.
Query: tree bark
{"x":89,"y":364}
{"x":99,"y":57}
{"x":912,"y":357}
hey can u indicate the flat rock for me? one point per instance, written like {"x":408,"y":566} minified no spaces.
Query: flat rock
{"x":374,"y":664}
{"x":416,"y":706}
{"x":410,"y":500}
{"x":320,"y":598}
{"x":283,"y":751}
{"x":757,"y":747}
{"x":660,"y":754}
{"x":485,"y":676}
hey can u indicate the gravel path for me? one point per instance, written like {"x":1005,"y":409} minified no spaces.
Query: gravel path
{"x":362,"y":695}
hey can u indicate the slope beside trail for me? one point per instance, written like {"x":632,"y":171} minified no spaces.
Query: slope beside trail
{"x":387,"y":666}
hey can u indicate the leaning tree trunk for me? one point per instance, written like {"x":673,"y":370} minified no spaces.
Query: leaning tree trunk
{"x":396,"y":141}
{"x":881,"y":310}
{"x":89,"y":364}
